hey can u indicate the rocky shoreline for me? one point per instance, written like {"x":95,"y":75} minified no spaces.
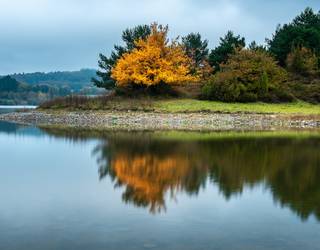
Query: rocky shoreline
{"x":163,"y":121}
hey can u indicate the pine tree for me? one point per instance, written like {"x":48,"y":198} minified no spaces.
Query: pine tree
{"x":197,"y":50}
{"x":106,"y":64}
{"x":228,"y":45}
{"x":303,"y":31}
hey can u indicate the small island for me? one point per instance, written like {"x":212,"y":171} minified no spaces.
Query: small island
{"x":156,"y":83}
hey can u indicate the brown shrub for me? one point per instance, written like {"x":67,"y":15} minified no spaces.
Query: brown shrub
{"x":302,"y":61}
{"x":248,"y":76}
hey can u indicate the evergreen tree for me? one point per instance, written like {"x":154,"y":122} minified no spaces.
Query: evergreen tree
{"x":228,"y":45}
{"x":304,"y":31}
{"x":256,"y":47}
{"x":106,"y":64}
{"x":196,"y":49}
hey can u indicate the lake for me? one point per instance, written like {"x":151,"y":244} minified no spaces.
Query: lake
{"x":76,"y":189}
{"x":8,"y":108}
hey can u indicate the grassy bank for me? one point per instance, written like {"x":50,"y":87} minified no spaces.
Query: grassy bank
{"x":189,"y":105}
{"x":177,"y":105}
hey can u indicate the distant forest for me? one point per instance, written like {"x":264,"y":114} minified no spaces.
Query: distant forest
{"x":34,"y":88}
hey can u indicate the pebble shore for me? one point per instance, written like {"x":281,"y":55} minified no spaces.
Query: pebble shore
{"x":163,"y":121}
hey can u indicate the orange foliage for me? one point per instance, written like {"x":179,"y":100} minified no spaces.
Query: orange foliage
{"x":150,"y":176}
{"x":154,"y":61}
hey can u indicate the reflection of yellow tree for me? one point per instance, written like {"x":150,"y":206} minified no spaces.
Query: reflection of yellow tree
{"x":149,"y":177}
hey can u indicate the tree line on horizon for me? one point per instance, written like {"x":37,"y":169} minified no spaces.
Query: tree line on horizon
{"x":285,"y":69}
{"x":36,"y":88}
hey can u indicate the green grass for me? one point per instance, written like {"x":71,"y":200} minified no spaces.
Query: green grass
{"x":150,"y":104}
{"x":190,"y":105}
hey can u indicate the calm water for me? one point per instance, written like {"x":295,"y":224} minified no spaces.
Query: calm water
{"x":7,"y":109}
{"x":78,"y":190}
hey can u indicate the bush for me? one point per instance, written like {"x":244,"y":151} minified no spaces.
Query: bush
{"x":281,"y":94}
{"x":248,"y":76}
{"x":302,"y":61}
{"x":105,"y":102}
{"x":309,"y":92}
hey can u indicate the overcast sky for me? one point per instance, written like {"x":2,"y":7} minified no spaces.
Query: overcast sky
{"x":49,"y":35}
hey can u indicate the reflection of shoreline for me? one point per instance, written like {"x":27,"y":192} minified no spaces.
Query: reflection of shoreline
{"x":149,"y":168}
{"x":19,"y":129}
{"x":77,"y":133}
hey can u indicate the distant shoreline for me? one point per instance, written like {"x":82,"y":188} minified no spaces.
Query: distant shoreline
{"x":137,"y":120}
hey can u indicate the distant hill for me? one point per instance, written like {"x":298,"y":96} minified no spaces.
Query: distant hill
{"x":34,"y":88}
{"x":76,"y":80}
{"x":13,"y":92}
{"x":9,"y":84}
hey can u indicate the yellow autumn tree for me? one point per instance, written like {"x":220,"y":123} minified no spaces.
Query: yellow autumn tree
{"x":154,"y":61}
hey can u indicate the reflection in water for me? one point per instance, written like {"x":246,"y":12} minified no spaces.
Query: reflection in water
{"x":149,"y":167}
{"x":18,"y":129}
{"x":9,"y":128}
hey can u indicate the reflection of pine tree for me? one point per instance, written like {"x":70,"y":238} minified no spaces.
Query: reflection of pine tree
{"x":150,"y":168}
{"x":288,"y":167}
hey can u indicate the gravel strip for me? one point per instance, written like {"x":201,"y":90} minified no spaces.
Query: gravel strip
{"x":163,"y":121}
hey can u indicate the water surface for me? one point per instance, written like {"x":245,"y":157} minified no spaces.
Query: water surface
{"x":9,"y":108}
{"x":72,"y":189}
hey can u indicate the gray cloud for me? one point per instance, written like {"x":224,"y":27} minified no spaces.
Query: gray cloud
{"x":45,"y":35}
